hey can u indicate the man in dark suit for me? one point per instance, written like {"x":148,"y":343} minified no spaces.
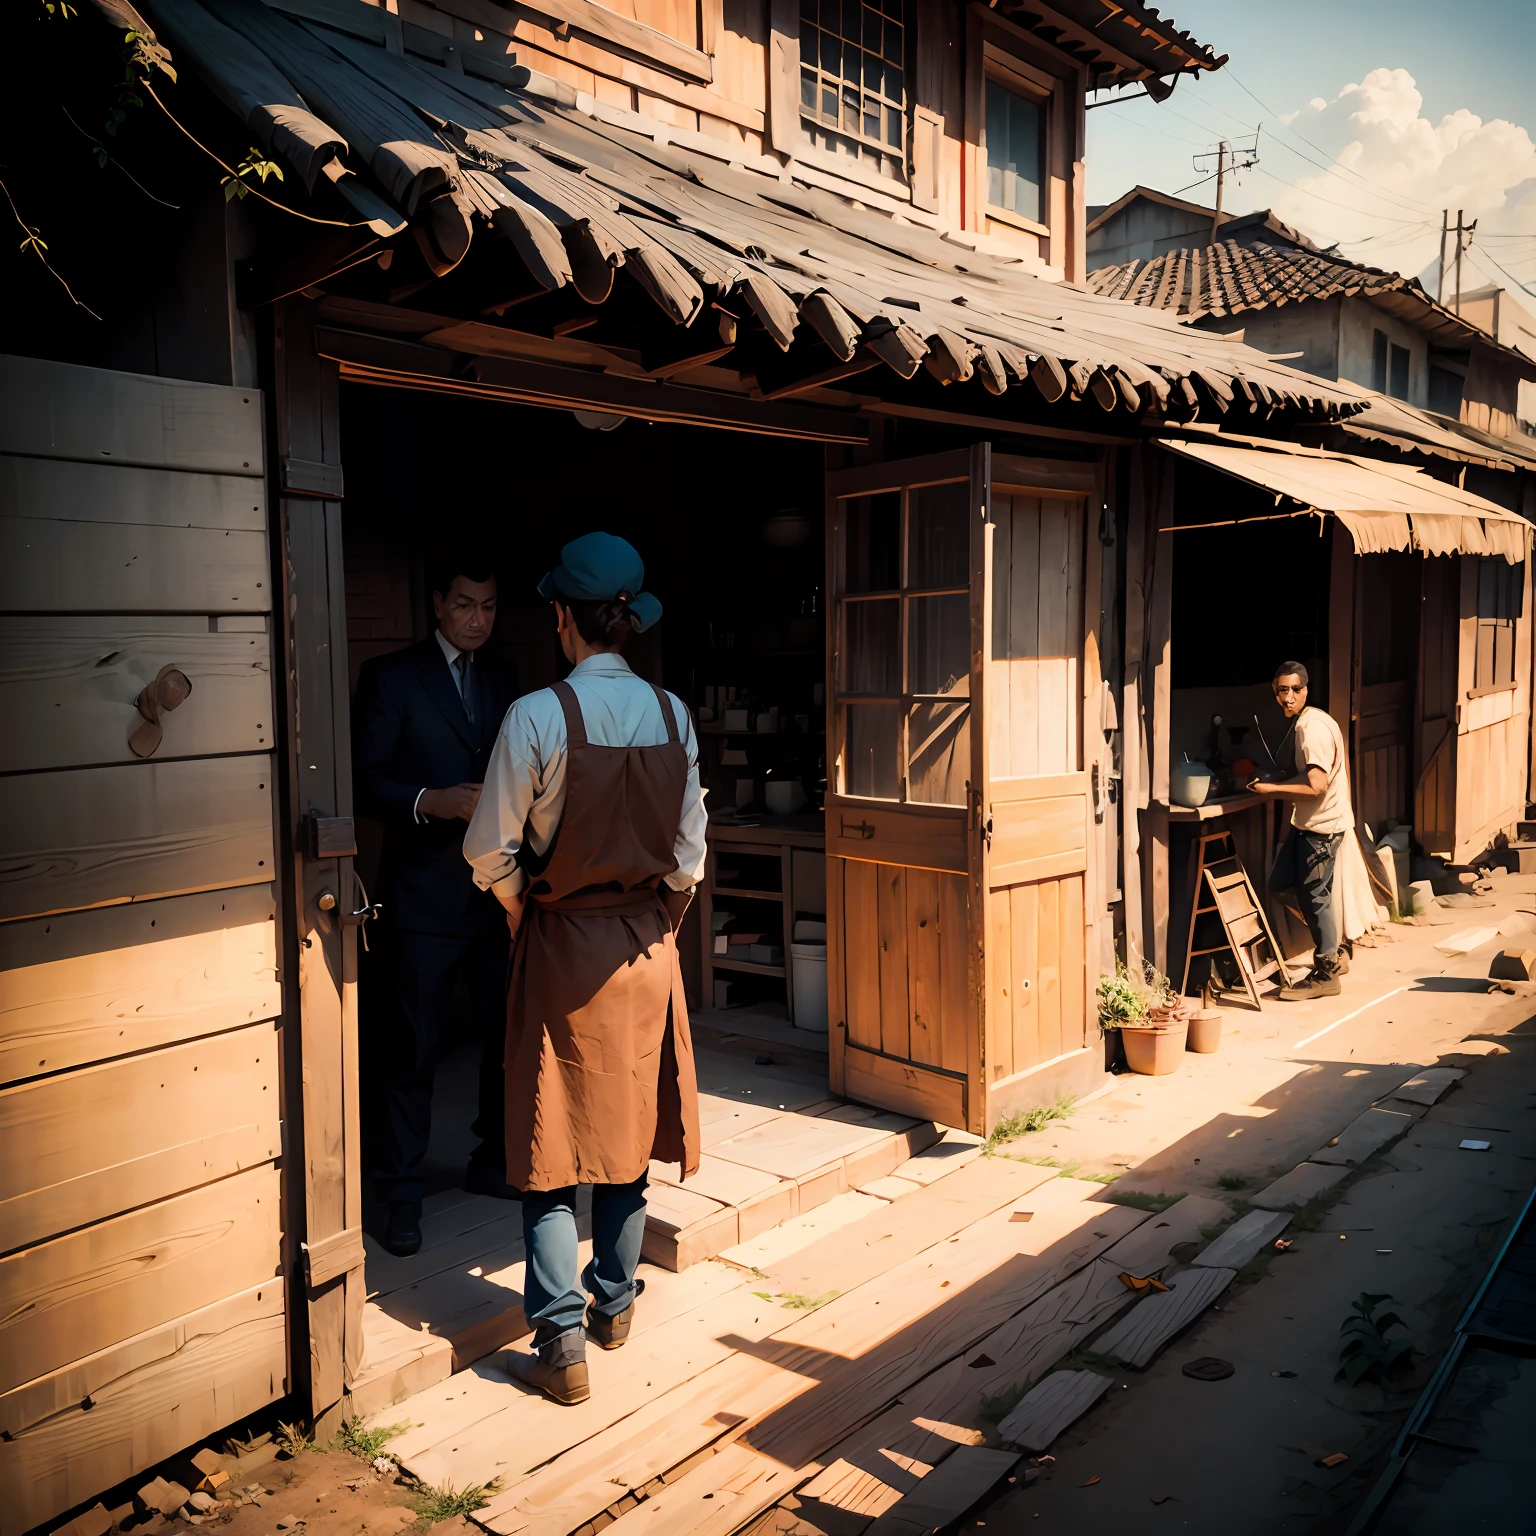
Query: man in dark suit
{"x":425,"y":722}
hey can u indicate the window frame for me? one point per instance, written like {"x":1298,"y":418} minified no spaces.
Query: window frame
{"x":906,"y":698}
{"x":1501,"y":588}
{"x":1015,"y":76}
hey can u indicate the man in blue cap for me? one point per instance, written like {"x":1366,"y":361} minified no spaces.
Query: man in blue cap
{"x":590,"y":832}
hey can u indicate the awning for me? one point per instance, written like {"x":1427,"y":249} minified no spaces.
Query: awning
{"x":1384,"y":506}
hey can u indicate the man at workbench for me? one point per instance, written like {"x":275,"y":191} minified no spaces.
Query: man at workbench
{"x":1320,"y":816}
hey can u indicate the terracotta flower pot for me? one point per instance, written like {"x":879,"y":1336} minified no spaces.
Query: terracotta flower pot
{"x":1154,"y":1052}
{"x":1204,"y":1030}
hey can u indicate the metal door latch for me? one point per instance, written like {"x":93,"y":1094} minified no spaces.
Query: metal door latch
{"x":859,"y":829}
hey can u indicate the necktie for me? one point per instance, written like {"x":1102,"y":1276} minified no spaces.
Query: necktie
{"x":466,"y":683}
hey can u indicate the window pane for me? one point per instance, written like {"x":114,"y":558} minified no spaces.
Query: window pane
{"x":939,"y":645}
{"x":1399,"y":381}
{"x":871,"y":765}
{"x":1014,"y":140}
{"x":938,"y":550}
{"x":872,"y":30}
{"x":872,"y":543}
{"x":939,"y":748}
{"x":870,"y":659}
{"x":808,"y":91}
{"x":893,"y":127}
{"x":1379,"y":361}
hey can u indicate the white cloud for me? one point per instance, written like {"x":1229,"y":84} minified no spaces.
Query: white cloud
{"x":1391,"y":163}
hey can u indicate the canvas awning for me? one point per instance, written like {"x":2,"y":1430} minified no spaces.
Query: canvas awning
{"x":1384,"y":506}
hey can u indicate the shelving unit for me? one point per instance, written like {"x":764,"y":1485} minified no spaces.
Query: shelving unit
{"x":796,"y":847}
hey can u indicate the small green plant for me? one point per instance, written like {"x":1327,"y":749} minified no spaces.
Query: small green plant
{"x":1088,"y":1359}
{"x":255,"y":164}
{"x":796,"y":1301}
{"x":434,"y":1504}
{"x":292,"y":1439}
{"x":1025,"y":1122}
{"x":1066,"y":1170}
{"x":1368,"y":1353}
{"x":355,"y":1437}
{"x":1231,"y":1181}
{"x":1127,"y":996}
{"x":1145,"y":1200}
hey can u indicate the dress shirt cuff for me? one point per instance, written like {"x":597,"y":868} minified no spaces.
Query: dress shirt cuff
{"x":513,"y":883}
{"x":416,"y":815}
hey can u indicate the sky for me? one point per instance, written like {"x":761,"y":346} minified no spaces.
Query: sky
{"x":1371,"y":118}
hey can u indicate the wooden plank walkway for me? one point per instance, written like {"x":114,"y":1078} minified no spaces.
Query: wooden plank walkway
{"x":845,"y":1373}
{"x":777,"y":1147}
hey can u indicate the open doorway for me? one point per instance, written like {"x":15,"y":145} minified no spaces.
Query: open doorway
{"x":730,"y":528}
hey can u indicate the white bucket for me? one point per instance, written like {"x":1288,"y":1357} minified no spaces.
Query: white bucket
{"x":808,"y":963}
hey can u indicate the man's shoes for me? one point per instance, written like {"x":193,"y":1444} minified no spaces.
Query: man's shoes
{"x":1316,"y":983}
{"x":402,"y":1237}
{"x":558,"y":1369}
{"x":611,"y":1332}
{"x":481,"y":1178}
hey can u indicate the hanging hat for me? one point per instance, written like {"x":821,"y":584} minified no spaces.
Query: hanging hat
{"x":603,"y":568}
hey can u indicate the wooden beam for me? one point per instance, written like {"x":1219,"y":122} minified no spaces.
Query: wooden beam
{"x":382,"y":360}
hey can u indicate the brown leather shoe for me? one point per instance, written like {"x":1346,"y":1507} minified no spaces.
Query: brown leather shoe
{"x":558,"y":1370}
{"x":610,"y":1332}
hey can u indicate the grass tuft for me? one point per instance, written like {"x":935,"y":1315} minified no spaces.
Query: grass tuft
{"x":1025,"y":1122}
{"x":292,"y":1439}
{"x":997,"y":1406}
{"x":353,"y":1436}
{"x":797,"y":1301}
{"x":1087,"y":1360}
{"x":1232,"y":1181}
{"x":1145,"y":1200}
{"x":434,"y":1504}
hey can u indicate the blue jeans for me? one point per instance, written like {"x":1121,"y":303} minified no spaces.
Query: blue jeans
{"x":1305,"y":865}
{"x":553,"y":1300}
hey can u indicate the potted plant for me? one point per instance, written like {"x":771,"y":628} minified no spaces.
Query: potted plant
{"x":1151,"y":1018}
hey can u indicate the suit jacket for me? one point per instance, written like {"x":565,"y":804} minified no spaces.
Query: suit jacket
{"x":410,"y":732}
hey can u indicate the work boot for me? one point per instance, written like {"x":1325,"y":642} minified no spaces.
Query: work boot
{"x":402,"y":1236}
{"x":481,"y":1178}
{"x":1321,"y":981}
{"x":611,"y":1332}
{"x":558,"y":1369}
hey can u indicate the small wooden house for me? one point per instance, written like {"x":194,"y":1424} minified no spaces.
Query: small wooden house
{"x":529,"y":270}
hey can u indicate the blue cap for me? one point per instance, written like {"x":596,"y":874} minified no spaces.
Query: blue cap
{"x":602,"y":568}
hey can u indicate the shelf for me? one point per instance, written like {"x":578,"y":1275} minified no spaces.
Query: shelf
{"x":747,"y":891}
{"x":751,"y":967}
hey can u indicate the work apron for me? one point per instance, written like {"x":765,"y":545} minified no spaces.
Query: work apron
{"x":599,"y":1062}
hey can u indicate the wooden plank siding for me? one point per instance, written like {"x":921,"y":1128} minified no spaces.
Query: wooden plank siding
{"x":140,"y":1034}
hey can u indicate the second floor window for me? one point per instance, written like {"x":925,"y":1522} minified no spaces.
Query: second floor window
{"x":1015,"y":139}
{"x":853,"y":62}
{"x":1389,"y":366}
{"x":1500,"y":587}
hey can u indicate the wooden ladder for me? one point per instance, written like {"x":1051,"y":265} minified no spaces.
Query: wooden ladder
{"x":1223,"y":880}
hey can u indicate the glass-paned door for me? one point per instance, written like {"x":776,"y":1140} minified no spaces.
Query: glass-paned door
{"x":907,"y":570}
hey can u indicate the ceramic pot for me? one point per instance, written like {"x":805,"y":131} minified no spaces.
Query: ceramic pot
{"x":1153,"y":1052}
{"x":1204,"y":1030}
{"x":1190,"y":784}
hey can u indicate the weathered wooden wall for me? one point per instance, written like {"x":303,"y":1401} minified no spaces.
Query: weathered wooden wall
{"x":141,"y":1293}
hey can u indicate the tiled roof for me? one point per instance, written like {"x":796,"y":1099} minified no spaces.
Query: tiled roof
{"x":584,"y":192}
{"x":1227,"y":278}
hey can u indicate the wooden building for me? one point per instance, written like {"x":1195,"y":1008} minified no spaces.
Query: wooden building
{"x":825,"y":259}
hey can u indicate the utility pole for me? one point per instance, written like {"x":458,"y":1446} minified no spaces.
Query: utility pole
{"x":1458,"y":261}
{"x":1445,"y":229}
{"x":1228,"y":161}
{"x":1221,"y":179}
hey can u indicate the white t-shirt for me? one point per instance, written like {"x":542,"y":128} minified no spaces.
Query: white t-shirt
{"x":1320,"y":744}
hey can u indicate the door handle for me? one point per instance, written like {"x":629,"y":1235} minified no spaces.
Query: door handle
{"x":861,"y":829}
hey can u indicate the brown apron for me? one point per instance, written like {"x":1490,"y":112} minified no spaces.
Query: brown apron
{"x":599,"y":1062}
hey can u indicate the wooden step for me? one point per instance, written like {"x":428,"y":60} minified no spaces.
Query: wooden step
{"x":768,"y":1166}
{"x":398,"y":1362}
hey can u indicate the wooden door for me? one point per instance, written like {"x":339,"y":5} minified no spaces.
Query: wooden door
{"x":1434,"y":798}
{"x":1039,"y":962}
{"x":1386,"y":649}
{"x":907,"y":574}
{"x":142,"y":1292}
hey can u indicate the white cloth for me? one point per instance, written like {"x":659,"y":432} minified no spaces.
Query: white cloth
{"x":524,"y":791}
{"x":1320,"y":744}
